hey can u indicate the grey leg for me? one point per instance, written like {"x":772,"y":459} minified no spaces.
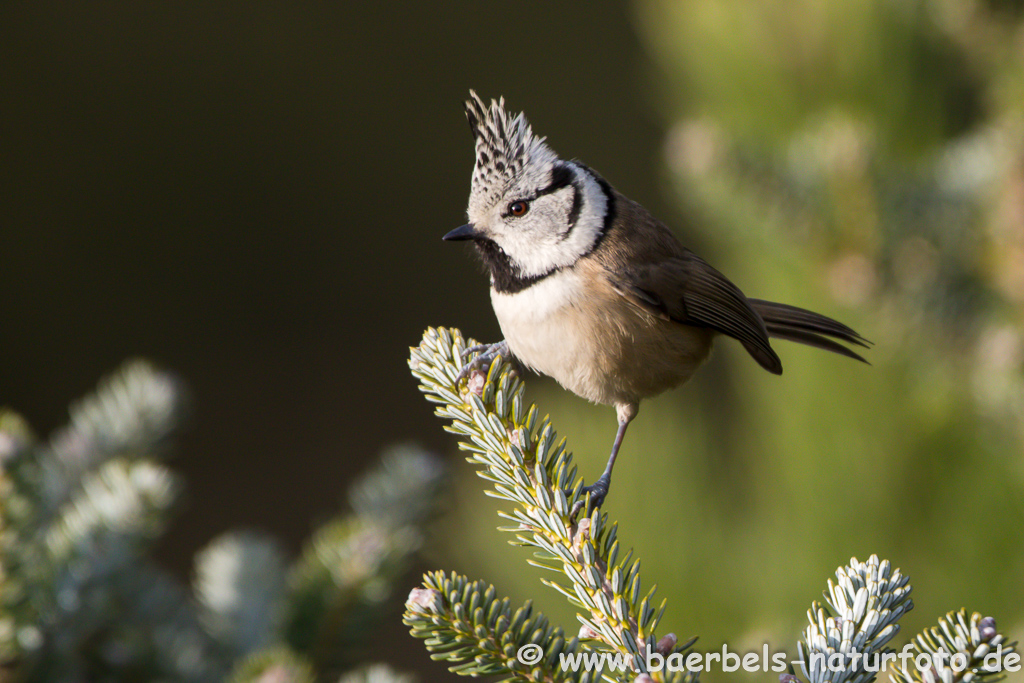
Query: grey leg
{"x":599,"y":489}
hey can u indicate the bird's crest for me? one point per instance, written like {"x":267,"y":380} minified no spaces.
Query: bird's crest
{"x":506,"y":149}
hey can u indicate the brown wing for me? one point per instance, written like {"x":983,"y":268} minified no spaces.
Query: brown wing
{"x":648,"y":266}
{"x":686,"y":290}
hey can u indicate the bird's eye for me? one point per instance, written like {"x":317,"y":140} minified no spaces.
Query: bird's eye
{"x":518,"y":208}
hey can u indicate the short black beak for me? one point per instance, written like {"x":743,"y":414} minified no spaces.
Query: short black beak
{"x":463,"y":232}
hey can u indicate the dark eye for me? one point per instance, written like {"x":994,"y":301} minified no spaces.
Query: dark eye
{"x":518,"y":208}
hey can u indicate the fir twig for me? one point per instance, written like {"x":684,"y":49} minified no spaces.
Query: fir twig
{"x":273,"y":665}
{"x":847,"y":642}
{"x":132,"y":413}
{"x":239,"y":585}
{"x":336,"y":589}
{"x":866,"y":601}
{"x":962,"y":650}
{"x":521,"y":457}
{"x":79,"y":600}
{"x":463,"y":622}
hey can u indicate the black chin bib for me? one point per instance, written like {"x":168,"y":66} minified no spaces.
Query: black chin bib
{"x":505,"y":277}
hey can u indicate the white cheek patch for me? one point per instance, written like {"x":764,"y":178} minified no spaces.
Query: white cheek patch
{"x":543,"y":240}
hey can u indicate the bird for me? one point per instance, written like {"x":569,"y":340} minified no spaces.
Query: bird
{"x":592,"y":290}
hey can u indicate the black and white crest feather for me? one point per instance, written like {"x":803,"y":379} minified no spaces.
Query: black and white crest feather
{"x":506,"y":148}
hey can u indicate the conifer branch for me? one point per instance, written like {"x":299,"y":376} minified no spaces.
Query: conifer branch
{"x":131,"y":414}
{"x":845,"y":641}
{"x":274,"y":665}
{"x":463,"y":622}
{"x":863,"y":606}
{"x":520,"y":456}
{"x":239,"y":584}
{"x":376,"y":673}
{"x":962,"y":650}
{"x":345,"y":573}
{"x":80,"y":600}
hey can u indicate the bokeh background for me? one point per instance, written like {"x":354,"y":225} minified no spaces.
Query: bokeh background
{"x":252,"y":195}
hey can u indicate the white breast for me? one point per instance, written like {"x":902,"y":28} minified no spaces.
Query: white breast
{"x":534,"y":322}
{"x":582,"y":333}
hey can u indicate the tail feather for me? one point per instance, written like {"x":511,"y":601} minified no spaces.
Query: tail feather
{"x":805,"y":327}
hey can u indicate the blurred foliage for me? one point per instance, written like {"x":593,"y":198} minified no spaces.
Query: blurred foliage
{"x":81,"y":601}
{"x":524,"y":463}
{"x":864,"y":158}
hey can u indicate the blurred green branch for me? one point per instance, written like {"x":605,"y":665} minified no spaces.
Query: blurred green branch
{"x":79,"y":599}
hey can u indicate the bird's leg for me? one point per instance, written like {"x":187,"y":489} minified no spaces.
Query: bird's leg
{"x":599,"y":489}
{"x":488,"y":352}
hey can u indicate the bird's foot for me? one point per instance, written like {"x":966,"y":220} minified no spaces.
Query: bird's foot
{"x":598,"y":490}
{"x":488,"y":352}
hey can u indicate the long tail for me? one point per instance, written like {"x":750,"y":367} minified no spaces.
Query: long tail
{"x":804,"y":327}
